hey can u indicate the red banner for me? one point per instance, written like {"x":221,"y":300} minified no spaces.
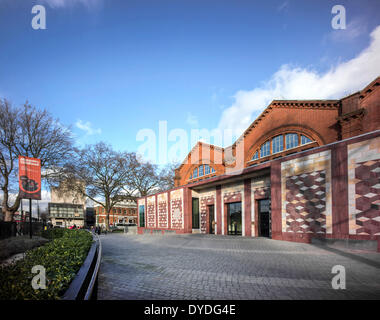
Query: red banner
{"x":29,"y":177}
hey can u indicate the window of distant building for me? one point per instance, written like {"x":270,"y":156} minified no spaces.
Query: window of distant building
{"x":255,"y":156}
{"x":195,"y":173}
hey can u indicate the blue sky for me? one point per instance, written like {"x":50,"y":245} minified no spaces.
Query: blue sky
{"x":111,"y":68}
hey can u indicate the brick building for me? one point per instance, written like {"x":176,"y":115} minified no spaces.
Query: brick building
{"x":302,"y":169}
{"x":123,"y":213}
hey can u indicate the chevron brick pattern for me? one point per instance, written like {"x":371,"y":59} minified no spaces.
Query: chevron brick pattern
{"x":306,"y":203}
{"x":367,"y":198}
{"x":205,"y":201}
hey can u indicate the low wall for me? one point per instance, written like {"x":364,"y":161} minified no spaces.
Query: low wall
{"x":84,"y":285}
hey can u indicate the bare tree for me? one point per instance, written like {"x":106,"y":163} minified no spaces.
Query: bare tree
{"x":103,"y":172}
{"x":28,"y":131}
{"x":143,"y":177}
{"x":166,"y":176}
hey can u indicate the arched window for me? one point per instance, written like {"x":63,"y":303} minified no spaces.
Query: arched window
{"x":255,"y":156}
{"x":291,"y":140}
{"x":265,"y":149}
{"x":305,"y":139}
{"x":202,"y":170}
{"x":277,"y":144}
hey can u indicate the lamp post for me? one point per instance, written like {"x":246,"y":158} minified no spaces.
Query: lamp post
{"x":30,"y":219}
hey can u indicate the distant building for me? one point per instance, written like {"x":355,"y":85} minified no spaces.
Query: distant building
{"x":123,"y":213}
{"x":90,"y":217}
{"x":66,"y":207}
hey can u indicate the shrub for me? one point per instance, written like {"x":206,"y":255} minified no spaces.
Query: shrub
{"x":62,"y":258}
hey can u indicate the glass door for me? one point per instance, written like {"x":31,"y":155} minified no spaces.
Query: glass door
{"x":234,"y":218}
{"x":264,"y":218}
{"x":211,"y":219}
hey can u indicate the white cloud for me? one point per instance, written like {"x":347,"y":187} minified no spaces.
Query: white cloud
{"x":87,"y":127}
{"x":192,"y":120}
{"x":303,"y":83}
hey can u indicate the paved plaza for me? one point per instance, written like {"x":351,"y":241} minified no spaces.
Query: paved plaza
{"x":194,"y":266}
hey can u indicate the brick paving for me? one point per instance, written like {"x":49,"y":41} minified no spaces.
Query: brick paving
{"x":194,"y":266}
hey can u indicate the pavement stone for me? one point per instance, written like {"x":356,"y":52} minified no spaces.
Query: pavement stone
{"x":195,"y":266}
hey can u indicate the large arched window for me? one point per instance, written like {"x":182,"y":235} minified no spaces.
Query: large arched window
{"x":281,"y":143}
{"x":202,"y":170}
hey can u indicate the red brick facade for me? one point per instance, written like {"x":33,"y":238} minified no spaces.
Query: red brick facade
{"x":325,"y":185}
{"x":321,"y":121}
{"x":119,"y":214}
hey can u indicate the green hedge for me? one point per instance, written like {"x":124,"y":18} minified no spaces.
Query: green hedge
{"x":62,"y":258}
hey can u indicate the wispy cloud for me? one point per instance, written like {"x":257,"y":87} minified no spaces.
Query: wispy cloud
{"x":69,"y":3}
{"x":283,"y":6}
{"x":354,"y":29}
{"x":291,"y":82}
{"x":87,"y":127}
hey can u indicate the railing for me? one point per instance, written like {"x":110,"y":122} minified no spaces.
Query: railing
{"x":84,"y":285}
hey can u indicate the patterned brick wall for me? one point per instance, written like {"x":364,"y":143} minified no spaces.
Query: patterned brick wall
{"x":162,"y":214}
{"x":204,"y":202}
{"x":306,"y":194}
{"x":234,"y":196}
{"x":176,"y":205}
{"x":364,"y":187}
{"x":162,"y":210}
{"x":151,"y":212}
{"x":306,"y":203}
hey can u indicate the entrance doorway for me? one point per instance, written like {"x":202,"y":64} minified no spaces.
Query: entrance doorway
{"x":264,"y":218}
{"x":234,"y":218}
{"x":195,"y":213}
{"x":211,"y":219}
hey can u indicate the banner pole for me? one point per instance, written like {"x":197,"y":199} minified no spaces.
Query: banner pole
{"x":30,"y":219}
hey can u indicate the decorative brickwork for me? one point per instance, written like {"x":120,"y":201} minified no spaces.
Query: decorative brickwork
{"x":151,"y":212}
{"x":162,"y":210}
{"x":176,"y":205}
{"x":306,"y":194}
{"x":204,"y":202}
{"x":261,"y":192}
{"x":306,"y":203}
{"x":364,"y":187}
{"x":234,"y":196}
